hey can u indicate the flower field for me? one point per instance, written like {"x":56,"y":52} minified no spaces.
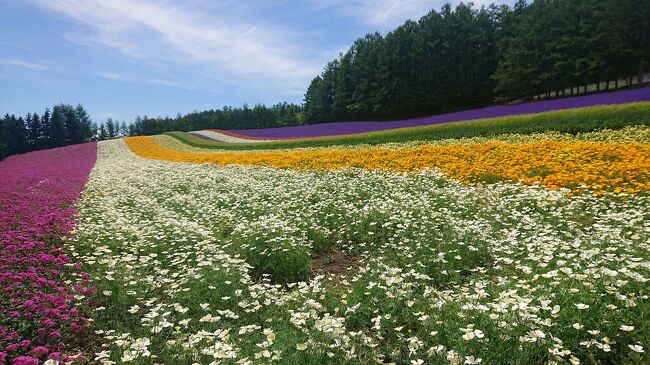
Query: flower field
{"x":44,"y":293}
{"x":210,"y":264}
{"x":514,"y":248}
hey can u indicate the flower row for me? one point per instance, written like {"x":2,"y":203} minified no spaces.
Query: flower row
{"x":43,"y":291}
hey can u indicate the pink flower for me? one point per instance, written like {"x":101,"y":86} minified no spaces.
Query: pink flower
{"x":36,"y":192}
{"x":25,"y":360}
{"x":39,"y":351}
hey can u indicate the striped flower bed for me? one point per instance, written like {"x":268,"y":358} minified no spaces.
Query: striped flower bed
{"x":597,"y":166}
{"x":342,"y":128}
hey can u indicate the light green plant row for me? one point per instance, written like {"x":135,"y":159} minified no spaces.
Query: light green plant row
{"x":200,"y":264}
{"x":628,"y":134}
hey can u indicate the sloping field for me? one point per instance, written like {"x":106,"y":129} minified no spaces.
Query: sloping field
{"x":204,"y":263}
{"x":332,"y":129}
{"x":516,"y":240}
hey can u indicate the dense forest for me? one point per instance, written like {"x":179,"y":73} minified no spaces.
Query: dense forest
{"x":451,"y":59}
{"x":463,"y":57}
{"x":62,"y":126}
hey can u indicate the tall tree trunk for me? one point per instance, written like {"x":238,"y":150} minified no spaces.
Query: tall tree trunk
{"x":584,"y":89}
{"x":598,"y":86}
{"x":616,"y":83}
{"x":571,"y":89}
{"x":629,"y":80}
{"x":644,"y":34}
{"x":640,"y":75}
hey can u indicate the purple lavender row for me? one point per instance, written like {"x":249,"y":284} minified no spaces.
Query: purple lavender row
{"x":41,"y":316}
{"x":338,"y":128}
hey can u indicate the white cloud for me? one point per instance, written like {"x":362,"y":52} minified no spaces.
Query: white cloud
{"x":382,"y":13}
{"x":114,"y":76}
{"x":110,"y":75}
{"x":388,"y":14}
{"x":25,"y":64}
{"x":163,"y":32}
{"x":163,"y":82}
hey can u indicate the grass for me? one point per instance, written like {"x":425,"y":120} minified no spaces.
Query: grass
{"x":571,"y":121}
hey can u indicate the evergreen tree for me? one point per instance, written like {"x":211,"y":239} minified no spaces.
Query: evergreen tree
{"x":455,"y":58}
{"x":46,"y":126}
{"x":35,"y":130}
{"x":57,"y":130}
{"x":73,"y":127}
{"x":94,"y":130}
{"x":84,"y":122}
{"x":103,"y":135}
{"x":4,"y":139}
{"x":110,"y":128}
{"x":15,"y":135}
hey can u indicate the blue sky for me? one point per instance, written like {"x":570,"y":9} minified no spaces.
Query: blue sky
{"x":122,"y":58}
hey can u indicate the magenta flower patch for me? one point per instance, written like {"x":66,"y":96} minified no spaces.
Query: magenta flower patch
{"x":41,"y":316}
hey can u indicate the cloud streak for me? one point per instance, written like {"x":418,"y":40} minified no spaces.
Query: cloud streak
{"x":163,"y":32}
{"x":114,"y":76}
{"x":388,"y":14}
{"x":110,"y":75}
{"x":381,"y":13}
{"x":36,"y":67}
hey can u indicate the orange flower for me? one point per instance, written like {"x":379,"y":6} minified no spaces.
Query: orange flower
{"x":597,"y":166}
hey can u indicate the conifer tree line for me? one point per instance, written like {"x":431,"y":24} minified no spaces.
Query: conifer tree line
{"x":63,"y":125}
{"x":259,"y":116}
{"x":463,"y":57}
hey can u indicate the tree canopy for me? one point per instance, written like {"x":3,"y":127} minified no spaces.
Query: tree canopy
{"x":63,"y":125}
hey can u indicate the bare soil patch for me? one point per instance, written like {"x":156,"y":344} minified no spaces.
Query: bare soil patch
{"x":334,"y":262}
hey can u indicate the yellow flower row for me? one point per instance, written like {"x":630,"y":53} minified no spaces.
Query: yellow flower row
{"x":598,"y":166}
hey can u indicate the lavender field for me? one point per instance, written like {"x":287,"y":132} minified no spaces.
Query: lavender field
{"x":339,"y":128}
